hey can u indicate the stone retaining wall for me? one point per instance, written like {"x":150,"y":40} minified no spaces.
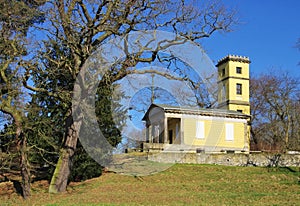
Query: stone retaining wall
{"x":256,"y":159}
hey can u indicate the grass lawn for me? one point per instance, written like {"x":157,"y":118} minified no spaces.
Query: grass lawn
{"x":182,"y":184}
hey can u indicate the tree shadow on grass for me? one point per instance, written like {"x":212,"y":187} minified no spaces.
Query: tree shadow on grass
{"x":291,"y":170}
{"x":18,"y":187}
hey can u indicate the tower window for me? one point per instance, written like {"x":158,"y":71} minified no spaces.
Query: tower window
{"x":238,"y":88}
{"x":238,"y":70}
{"x":223,"y":72}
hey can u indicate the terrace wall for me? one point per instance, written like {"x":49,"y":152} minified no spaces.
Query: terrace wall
{"x":255,"y":159}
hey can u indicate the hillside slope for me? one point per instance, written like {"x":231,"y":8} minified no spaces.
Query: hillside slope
{"x":179,"y":185}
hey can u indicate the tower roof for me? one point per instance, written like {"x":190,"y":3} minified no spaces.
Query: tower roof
{"x":235,"y":58}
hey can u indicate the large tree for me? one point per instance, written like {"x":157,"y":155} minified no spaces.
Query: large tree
{"x":15,"y":19}
{"x":76,"y":28}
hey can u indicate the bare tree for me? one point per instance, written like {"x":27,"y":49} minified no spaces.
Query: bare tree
{"x":273,"y":108}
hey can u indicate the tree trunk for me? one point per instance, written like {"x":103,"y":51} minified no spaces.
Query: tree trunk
{"x":25,"y":171}
{"x":24,"y":166}
{"x":62,"y":171}
{"x":287,"y":131}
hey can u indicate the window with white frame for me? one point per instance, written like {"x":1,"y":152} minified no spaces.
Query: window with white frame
{"x":200,"y":130}
{"x":229,"y":132}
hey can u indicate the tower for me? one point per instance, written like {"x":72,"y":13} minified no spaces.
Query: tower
{"x":233,"y":83}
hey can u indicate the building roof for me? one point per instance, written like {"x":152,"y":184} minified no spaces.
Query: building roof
{"x":198,"y":111}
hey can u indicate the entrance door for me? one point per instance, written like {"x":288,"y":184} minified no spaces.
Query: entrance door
{"x":171,"y":136}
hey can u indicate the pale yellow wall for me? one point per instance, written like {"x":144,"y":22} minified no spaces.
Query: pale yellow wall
{"x":189,"y":128}
{"x":215,"y":134}
{"x":232,"y":89}
{"x":244,"y":108}
{"x":245,"y":69}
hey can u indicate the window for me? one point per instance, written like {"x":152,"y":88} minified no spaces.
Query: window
{"x":229,"y":135}
{"x":238,"y":88}
{"x":223,"y":93}
{"x":239,"y":110}
{"x":238,"y":70}
{"x":223,"y":72}
{"x":200,"y":130}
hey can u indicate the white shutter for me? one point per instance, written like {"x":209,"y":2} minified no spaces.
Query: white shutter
{"x":229,"y":132}
{"x":200,"y":133}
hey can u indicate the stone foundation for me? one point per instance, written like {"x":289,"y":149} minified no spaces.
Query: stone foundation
{"x":256,"y":159}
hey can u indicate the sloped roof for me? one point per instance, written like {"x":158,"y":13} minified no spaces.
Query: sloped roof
{"x":198,"y":111}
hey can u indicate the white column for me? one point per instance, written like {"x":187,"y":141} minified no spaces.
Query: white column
{"x":181,"y":131}
{"x":147,"y":134}
{"x":166,"y":130}
{"x":150,"y":134}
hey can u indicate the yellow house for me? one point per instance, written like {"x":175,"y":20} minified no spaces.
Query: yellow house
{"x":226,"y":128}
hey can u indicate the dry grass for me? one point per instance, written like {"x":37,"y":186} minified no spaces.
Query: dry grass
{"x":179,"y":185}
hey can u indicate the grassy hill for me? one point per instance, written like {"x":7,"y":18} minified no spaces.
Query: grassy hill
{"x":182,"y":184}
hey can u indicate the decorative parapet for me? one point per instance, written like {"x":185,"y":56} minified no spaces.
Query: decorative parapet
{"x":235,"y":58}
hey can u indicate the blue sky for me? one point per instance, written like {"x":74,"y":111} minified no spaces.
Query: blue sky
{"x":267,"y":33}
